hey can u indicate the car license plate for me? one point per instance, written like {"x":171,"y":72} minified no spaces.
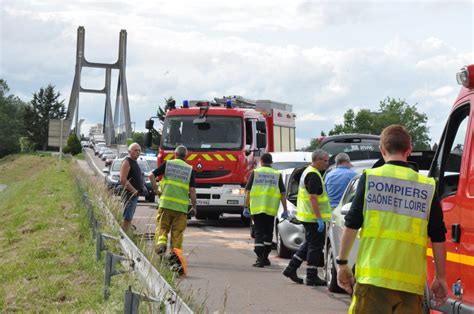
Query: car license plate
{"x":202,"y":202}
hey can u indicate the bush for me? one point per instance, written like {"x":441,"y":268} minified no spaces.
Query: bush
{"x":26,"y":145}
{"x":73,"y":145}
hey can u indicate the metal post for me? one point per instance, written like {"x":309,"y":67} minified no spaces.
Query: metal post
{"x":131,"y":302}
{"x":110,"y":270}
{"x":61,"y":145}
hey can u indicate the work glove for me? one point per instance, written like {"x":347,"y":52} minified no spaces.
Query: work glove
{"x":284,"y":215}
{"x":320,"y":225}
{"x":246,"y":212}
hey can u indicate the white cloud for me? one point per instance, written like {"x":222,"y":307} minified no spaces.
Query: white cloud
{"x":321,"y":57}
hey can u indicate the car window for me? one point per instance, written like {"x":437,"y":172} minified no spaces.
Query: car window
{"x":280,"y":165}
{"x":116,"y":165}
{"x":351,"y":145}
{"x":143,"y":166}
{"x":151,"y":164}
{"x":350,"y":191}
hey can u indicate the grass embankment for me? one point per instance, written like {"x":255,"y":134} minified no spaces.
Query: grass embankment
{"x":47,"y":254}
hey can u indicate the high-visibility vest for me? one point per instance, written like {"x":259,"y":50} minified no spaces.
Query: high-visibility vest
{"x":175,"y":186}
{"x":304,"y":209}
{"x":393,"y":238}
{"x":265,"y":194}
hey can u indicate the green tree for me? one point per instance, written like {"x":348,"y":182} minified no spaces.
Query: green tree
{"x":12,"y":111}
{"x":73,"y":145}
{"x":391,"y":111}
{"x":43,"y":107}
{"x":314,"y":143}
{"x":138,"y":137}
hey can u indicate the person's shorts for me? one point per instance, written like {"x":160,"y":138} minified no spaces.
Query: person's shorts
{"x":368,"y":299}
{"x":129,"y":208}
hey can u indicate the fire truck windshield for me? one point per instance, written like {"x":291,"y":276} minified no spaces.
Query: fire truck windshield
{"x":220,"y":133}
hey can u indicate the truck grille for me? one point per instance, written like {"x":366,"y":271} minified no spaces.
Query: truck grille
{"x":212,"y":174}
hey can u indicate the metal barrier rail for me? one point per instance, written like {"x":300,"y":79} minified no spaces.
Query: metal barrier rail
{"x":156,"y":286}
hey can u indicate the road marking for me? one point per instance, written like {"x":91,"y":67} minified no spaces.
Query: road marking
{"x":96,"y":168}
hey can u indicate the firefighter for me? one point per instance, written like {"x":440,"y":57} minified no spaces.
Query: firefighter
{"x":313,"y":210}
{"x":178,"y":183}
{"x":397,"y":210}
{"x":264,"y":192}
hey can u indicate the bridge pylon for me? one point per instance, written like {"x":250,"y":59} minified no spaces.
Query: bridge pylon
{"x":114,"y":131}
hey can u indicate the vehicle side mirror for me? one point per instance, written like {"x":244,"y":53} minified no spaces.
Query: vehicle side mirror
{"x":261,"y":127}
{"x":148,"y":138}
{"x":261,"y":140}
{"x":149,"y":124}
{"x":106,"y":170}
{"x":345,"y":208}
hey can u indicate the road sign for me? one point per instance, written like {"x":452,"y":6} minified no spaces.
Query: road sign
{"x":54,"y":132}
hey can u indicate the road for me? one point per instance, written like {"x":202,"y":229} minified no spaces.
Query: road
{"x":221,"y":278}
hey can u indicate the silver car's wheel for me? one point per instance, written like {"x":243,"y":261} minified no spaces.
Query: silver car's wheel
{"x":331,"y":272}
{"x":282,"y":250}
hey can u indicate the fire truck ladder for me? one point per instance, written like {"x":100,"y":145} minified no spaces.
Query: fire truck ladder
{"x":121,"y":100}
{"x":237,"y":101}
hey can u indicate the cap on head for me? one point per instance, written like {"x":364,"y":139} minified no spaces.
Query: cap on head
{"x":266,"y":159}
{"x":342,"y":158}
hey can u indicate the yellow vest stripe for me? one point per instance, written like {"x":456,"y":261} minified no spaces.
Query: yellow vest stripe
{"x":178,"y":184}
{"x":174,"y":199}
{"x":412,"y":279}
{"x":268,"y":193}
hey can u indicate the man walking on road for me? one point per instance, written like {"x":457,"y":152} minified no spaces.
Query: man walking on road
{"x":264,"y":192}
{"x":313,"y":210}
{"x":336,"y":180}
{"x":397,"y":210}
{"x":132,"y":182}
{"x":177,"y":184}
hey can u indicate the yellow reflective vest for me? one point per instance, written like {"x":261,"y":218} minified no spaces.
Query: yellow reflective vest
{"x":265,"y":194}
{"x":175,"y":186}
{"x":394,"y":235}
{"x":304,"y":209}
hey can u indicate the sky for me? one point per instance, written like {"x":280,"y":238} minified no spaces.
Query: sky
{"x":322,"y":57}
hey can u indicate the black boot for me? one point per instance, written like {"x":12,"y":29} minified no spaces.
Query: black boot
{"x":260,"y":254}
{"x":267,"y":250}
{"x":258,"y":263}
{"x":312,"y":278}
{"x":290,"y":270}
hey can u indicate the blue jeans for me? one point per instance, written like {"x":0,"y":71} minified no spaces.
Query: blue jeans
{"x":130,"y":203}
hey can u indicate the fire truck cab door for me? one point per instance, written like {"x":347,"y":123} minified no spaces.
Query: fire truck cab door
{"x":450,"y":168}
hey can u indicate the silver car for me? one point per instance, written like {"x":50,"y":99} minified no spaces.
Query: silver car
{"x":289,"y":233}
{"x":333,"y":237}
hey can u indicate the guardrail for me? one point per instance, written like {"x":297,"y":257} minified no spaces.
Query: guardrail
{"x":158,"y":289}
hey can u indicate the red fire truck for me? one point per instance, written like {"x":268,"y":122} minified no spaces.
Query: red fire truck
{"x":225,"y":138}
{"x":453,"y":169}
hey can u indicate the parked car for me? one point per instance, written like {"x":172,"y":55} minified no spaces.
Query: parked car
{"x":108,"y":155}
{"x":289,"y":233}
{"x":290,"y":160}
{"x":112,"y":179}
{"x":357,"y":146}
{"x":333,"y":237}
{"x":109,"y":159}
{"x":151,"y":160}
{"x":98,"y":146}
